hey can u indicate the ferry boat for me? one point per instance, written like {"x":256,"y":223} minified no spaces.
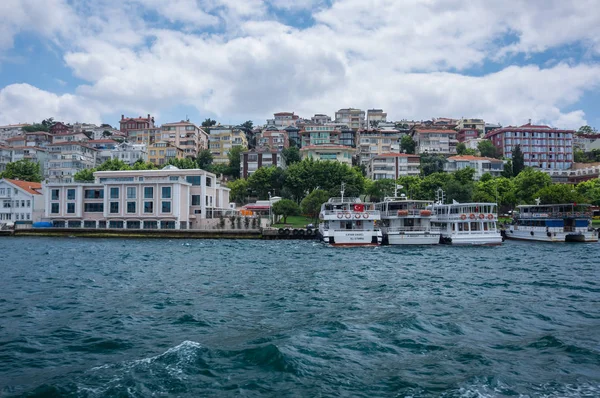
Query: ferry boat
{"x":467,"y":223}
{"x":349,"y":222}
{"x":553,"y":223}
{"x":407,"y":222}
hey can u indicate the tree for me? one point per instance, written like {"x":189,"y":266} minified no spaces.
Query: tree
{"x":461,"y":148}
{"x":113,"y":165}
{"x":379,"y":189}
{"x":204,"y":159}
{"x":248,"y":125}
{"x":208,"y":123}
{"x":507,"y":171}
{"x":235,"y":161}
{"x":528,"y":183}
{"x":518,"y":160}
{"x":285,"y":208}
{"x":239,"y":190}
{"x":559,"y":193}
{"x":455,"y":190}
{"x":291,"y":155}
{"x":587,"y":130}
{"x":106,"y":133}
{"x":34,"y":127}
{"x":219,"y":168}
{"x":432,"y":164}
{"x":590,"y":190}
{"x":407,"y":144}
{"x":261,"y":181}
{"x":85,"y":175}
{"x":25,"y":170}
{"x":430,"y":184}
{"x":141,"y":165}
{"x":579,"y":156}
{"x":487,"y":149}
{"x":185,"y":163}
{"x":464,"y":176}
{"x":311,"y":204}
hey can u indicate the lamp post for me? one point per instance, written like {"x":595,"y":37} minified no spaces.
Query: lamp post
{"x":270,"y":222}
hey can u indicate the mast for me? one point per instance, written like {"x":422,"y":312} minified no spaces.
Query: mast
{"x":342,"y":190}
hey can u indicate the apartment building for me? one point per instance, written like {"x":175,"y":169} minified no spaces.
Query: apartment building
{"x":481,"y":165}
{"x":20,"y":201}
{"x":476,"y":124}
{"x":320,"y":118}
{"x":161,"y":152}
{"x":5,"y":157}
{"x":139,"y":123}
{"x":314,"y":134}
{"x":542,"y":146}
{"x":60,"y":128}
{"x":253,"y":160}
{"x":436,"y":141}
{"x":144,"y":136}
{"x":376,"y":142}
{"x":38,"y":139}
{"x":137,"y":199}
{"x":69,"y":136}
{"x":66,"y":159}
{"x":393,"y":165}
{"x":338,"y":153}
{"x":272,"y":140}
{"x":11,"y":130}
{"x":185,"y":135}
{"x":33,"y":154}
{"x":351,"y":117}
{"x":374,"y":117}
{"x":130,"y":153}
{"x":283,"y":119}
{"x":104,"y":148}
{"x":467,"y":134}
{"x":222,"y":139}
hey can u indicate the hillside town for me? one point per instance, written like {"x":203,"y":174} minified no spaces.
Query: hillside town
{"x":175,"y":174}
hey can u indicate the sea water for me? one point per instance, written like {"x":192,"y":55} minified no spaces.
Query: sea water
{"x":114,"y":317}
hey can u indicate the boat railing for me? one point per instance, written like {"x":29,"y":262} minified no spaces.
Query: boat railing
{"x":351,"y":212}
{"x":488,"y":232}
{"x":407,"y":213}
{"x":568,"y":214}
{"x":354,"y":230}
{"x":467,"y":217}
{"x":413,"y":229}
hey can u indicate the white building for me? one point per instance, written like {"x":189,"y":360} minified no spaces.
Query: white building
{"x":351,"y":117}
{"x":320,"y":118}
{"x":130,"y":153}
{"x":66,"y":159}
{"x":480,"y":164}
{"x":393,"y":165}
{"x":374,"y":117}
{"x":435,"y":141}
{"x":11,"y":130}
{"x":283,"y":119}
{"x":20,"y":201}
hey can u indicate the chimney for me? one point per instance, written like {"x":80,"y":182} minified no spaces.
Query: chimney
{"x":148,"y":117}
{"x":529,"y":122}
{"x":122,"y":117}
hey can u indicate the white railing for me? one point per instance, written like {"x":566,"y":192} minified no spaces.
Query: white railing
{"x":407,"y":213}
{"x":488,"y":232}
{"x":414,"y":229}
{"x":350,"y":212}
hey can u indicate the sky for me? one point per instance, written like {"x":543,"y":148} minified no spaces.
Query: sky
{"x":237,"y":60}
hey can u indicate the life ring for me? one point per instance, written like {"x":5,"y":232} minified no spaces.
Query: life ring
{"x":588,"y":213}
{"x":559,"y":214}
{"x":463,"y":216}
{"x":403,"y":212}
{"x":578,"y":214}
{"x":357,"y":216}
{"x":348,"y":215}
{"x":490,"y":216}
{"x":366,"y":215}
{"x":472,"y":216}
{"x":340,"y":215}
{"x":425,"y":213}
{"x":481,"y":216}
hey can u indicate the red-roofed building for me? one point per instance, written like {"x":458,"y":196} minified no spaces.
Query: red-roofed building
{"x":467,"y":134}
{"x":542,"y":146}
{"x":59,"y":128}
{"x":20,"y":201}
{"x":393,"y":165}
{"x":481,"y":165}
{"x":139,"y":123}
{"x":434,"y":140}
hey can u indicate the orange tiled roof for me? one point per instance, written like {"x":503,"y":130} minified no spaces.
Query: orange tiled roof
{"x":395,"y":154}
{"x":471,"y":157}
{"x":27,"y":186}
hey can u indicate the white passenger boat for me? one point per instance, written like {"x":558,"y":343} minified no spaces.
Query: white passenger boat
{"x":407,"y":222}
{"x":553,"y":223}
{"x":467,"y":223}
{"x":349,"y":222}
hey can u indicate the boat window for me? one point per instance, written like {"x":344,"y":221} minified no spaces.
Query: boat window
{"x":474,"y":226}
{"x":486,"y":225}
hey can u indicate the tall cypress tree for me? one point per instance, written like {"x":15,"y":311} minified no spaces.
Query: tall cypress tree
{"x":518,"y":160}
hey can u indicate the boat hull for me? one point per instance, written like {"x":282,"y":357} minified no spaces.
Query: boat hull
{"x":352,"y":237}
{"x":474,"y":240}
{"x":413,"y":238}
{"x":538,"y":236}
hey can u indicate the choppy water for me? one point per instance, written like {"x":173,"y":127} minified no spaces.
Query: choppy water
{"x":92,"y":318}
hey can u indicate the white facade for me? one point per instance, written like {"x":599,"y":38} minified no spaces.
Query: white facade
{"x":393,"y":165}
{"x":480,"y":164}
{"x":20,"y":201}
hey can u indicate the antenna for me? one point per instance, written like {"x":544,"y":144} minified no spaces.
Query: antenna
{"x":439,"y":196}
{"x":342,"y":190}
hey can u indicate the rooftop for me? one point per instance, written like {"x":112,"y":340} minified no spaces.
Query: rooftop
{"x":472,"y":158}
{"x":28,"y":186}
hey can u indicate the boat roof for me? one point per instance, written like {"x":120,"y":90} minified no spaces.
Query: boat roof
{"x":466,"y":204}
{"x":404,"y":199}
{"x":552,"y":205}
{"x":344,"y":200}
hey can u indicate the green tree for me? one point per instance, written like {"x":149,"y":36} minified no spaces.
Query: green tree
{"x":586,"y":130}
{"x":285,"y":208}
{"x":85,"y":175}
{"x":507,"y":171}
{"x":580,"y":156}
{"x":219,"y":168}
{"x":141,"y":165}
{"x":486,"y":177}
{"x":590,"y":190}
{"x":559,"y":193}
{"x":311,"y":204}
{"x":235,"y":161}
{"x":291,"y":155}
{"x":208,"y":123}
{"x":432,"y":164}
{"x":528,"y":183}
{"x":248,"y":125}
{"x":407,"y":144}
{"x":25,"y":170}
{"x":261,"y":181}
{"x":464,"y":176}
{"x":411,"y":186}
{"x":185,"y":163}
{"x":430,"y":184}
{"x":518,"y":160}
{"x":499,"y":190}
{"x":379,"y":189}
{"x":455,"y":190}
{"x":113,"y":165}
{"x":205,"y":159}
{"x":461,"y":148}
{"x":487,"y":149}
{"x":239,"y":190}
{"x":106,"y":133}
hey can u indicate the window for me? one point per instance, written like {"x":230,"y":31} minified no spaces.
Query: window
{"x":55,"y":194}
{"x":196,"y":200}
{"x":22,"y":203}
{"x":71,"y":208}
{"x":148,"y":207}
{"x":130,"y":207}
{"x":148,"y":192}
{"x":131,"y":192}
{"x":194,"y":180}
{"x":208,"y":181}
{"x":166,"y":192}
{"x":29,"y":203}
{"x":114,"y":193}
{"x":94,"y":194}
{"x":114,"y":207}
{"x":54,"y":209}
{"x":166,"y":207}
{"x":93,"y":207}
{"x":70,"y":194}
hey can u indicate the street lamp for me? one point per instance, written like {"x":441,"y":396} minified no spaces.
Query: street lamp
{"x":270,"y":208}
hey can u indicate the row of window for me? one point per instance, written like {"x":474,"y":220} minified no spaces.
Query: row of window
{"x":7,"y":203}
{"x":114,"y":207}
{"x":18,"y":216}
{"x":166,"y":193}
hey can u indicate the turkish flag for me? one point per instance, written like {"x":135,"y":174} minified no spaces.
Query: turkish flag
{"x":359,"y":207}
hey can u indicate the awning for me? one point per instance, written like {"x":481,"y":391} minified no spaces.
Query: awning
{"x":256,"y":207}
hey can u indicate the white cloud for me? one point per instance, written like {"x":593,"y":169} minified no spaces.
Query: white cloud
{"x":409,"y":58}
